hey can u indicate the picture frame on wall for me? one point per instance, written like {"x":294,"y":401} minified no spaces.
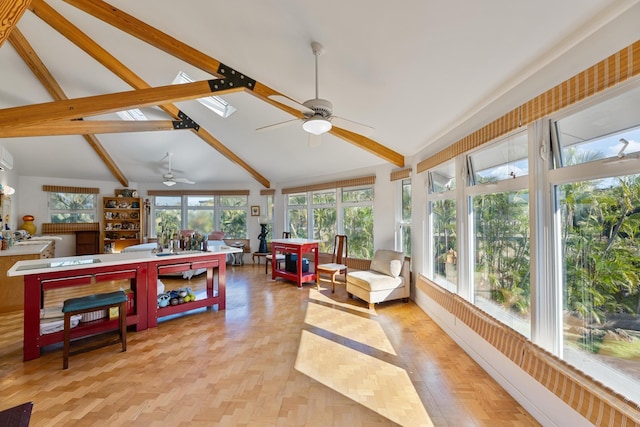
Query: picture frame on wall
{"x":255,"y":210}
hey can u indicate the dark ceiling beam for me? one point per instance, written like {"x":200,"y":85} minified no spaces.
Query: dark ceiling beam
{"x":37,"y":67}
{"x":10,"y":14}
{"x":75,"y":35}
{"x":139,"y":29}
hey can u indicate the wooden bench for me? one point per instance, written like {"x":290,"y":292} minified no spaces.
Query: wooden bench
{"x":88,"y":304}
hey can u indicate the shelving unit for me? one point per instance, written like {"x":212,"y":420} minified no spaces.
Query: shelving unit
{"x":122,"y":221}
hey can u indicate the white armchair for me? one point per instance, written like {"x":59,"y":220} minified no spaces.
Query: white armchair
{"x":388,"y":278}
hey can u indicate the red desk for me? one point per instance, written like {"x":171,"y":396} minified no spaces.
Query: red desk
{"x":141,"y":268}
{"x":298,"y":247}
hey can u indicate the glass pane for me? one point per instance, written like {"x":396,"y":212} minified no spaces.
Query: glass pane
{"x":442,"y":178}
{"x":358,"y":226}
{"x":72,"y":201}
{"x":168,"y":200}
{"x":501,"y":275}
{"x":200,"y":220}
{"x":167,"y":224}
{"x":270,"y":207}
{"x":406,"y":200}
{"x":324,"y":228}
{"x":445,"y":256}
{"x":298,"y":223}
{"x":297,"y":199}
{"x":324,"y":198}
{"x":72,"y":217}
{"x":234,"y":223}
{"x":357,"y":195}
{"x":405,"y":238}
{"x":595,"y":133}
{"x":600,"y":236}
{"x":506,"y":159}
{"x":233,"y":201}
{"x":200,"y":201}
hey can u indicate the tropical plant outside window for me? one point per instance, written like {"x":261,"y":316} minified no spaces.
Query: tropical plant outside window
{"x":500,"y":206}
{"x":324,"y":218}
{"x":297,"y":214}
{"x":348,"y":211}
{"x":200,"y":213}
{"x":404,"y":225}
{"x":441,"y":186}
{"x":72,"y":207}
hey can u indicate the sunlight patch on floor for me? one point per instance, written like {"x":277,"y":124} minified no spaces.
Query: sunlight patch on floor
{"x":379,"y":386}
{"x":351,"y":326}
{"x":314,"y":294}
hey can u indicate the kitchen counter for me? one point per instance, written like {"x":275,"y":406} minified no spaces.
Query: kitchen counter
{"x":11,"y":288}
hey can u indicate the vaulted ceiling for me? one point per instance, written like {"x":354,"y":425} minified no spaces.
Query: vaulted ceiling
{"x":413,"y":71}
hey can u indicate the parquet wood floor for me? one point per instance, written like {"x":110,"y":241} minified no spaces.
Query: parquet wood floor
{"x":277,"y":356}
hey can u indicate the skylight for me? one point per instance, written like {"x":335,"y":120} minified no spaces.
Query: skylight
{"x":134,"y":114}
{"x":214,"y":103}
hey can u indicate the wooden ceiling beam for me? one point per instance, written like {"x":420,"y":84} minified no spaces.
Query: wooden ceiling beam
{"x":37,"y":67}
{"x":89,"y":46}
{"x":10,"y":14}
{"x":139,"y":29}
{"x":83,"y":127}
{"x":109,"y":103}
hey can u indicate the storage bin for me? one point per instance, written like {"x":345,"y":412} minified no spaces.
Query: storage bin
{"x":291,"y":263}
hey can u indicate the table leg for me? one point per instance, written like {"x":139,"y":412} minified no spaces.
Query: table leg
{"x":32,"y":303}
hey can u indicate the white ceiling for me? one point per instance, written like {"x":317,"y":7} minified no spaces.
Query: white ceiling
{"x":418,"y":71}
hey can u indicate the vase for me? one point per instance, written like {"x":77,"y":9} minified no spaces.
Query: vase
{"x":28,"y":225}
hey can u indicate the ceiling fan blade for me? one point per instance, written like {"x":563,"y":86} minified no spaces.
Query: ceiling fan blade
{"x":184,"y":181}
{"x":291,"y":103}
{"x":277,"y":125}
{"x":356,"y":127}
{"x":314,"y":140}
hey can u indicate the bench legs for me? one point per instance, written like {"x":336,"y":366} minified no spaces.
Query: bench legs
{"x":122,"y":328}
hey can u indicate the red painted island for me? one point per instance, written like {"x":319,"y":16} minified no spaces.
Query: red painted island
{"x":140,"y":268}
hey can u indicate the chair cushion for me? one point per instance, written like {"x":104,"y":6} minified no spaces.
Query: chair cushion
{"x":387,"y":262}
{"x":331,"y":267}
{"x":278,"y":257}
{"x":93,"y":301}
{"x":373,"y":281}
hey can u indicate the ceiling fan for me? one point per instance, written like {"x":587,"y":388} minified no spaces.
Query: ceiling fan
{"x":318,"y":112}
{"x":169,"y":179}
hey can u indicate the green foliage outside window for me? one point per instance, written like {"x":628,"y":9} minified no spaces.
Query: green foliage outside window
{"x":72,"y":207}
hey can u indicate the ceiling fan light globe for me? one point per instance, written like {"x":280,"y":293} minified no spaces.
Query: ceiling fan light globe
{"x":169,"y":183}
{"x":317,"y":125}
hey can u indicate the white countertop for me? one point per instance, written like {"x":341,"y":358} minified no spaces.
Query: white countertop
{"x":23,"y":248}
{"x":296,"y":241}
{"x":48,"y":265}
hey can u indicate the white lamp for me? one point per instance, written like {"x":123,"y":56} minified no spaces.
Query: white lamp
{"x":317,"y":125}
{"x":263,"y":220}
{"x":169,"y":182}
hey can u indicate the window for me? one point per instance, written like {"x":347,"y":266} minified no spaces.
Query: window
{"x":500,"y":250}
{"x":403,"y":227}
{"x":324,"y":218}
{"x":297,"y":214}
{"x":72,"y":207}
{"x":597,"y":191}
{"x":204,"y":214}
{"x":346,"y":211}
{"x":233,"y":216}
{"x":441,"y":186}
{"x":357,"y":222}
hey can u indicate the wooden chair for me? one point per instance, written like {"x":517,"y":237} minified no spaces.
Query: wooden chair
{"x":279,"y":257}
{"x":90,"y":303}
{"x":337,"y":264}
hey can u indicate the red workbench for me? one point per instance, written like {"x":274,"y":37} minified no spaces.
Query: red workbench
{"x":297,"y":247}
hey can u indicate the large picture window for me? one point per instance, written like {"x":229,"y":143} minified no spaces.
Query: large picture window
{"x":346,"y":211}
{"x":72,"y":207}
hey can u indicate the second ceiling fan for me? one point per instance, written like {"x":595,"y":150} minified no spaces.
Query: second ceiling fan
{"x":169,"y":179}
{"x":318,"y":113}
